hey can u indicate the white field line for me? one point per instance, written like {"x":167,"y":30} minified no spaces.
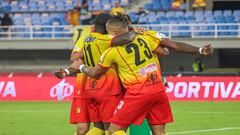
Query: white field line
{"x":29,"y":111}
{"x":194,"y":112}
{"x":204,"y":130}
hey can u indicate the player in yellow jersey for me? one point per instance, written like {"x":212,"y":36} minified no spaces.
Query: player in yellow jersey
{"x":139,"y":72}
{"x":79,"y":111}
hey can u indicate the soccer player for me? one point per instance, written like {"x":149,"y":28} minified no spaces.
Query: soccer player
{"x":95,"y":94}
{"x":139,"y":72}
{"x":79,"y":112}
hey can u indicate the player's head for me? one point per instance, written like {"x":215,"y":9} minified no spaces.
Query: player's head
{"x":100,"y":23}
{"x":117,"y":25}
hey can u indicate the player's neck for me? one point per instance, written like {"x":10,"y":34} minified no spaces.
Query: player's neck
{"x":100,"y":30}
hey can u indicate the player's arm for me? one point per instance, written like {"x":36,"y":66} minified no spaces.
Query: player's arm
{"x":182,"y":46}
{"x":73,"y":69}
{"x":161,"y":52}
{"x":75,"y":56}
{"x":187,"y":48}
{"x":105,"y":62}
{"x":93,"y":72}
{"x":124,"y":39}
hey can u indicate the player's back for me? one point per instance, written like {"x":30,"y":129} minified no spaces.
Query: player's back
{"x":137,"y":65}
{"x":94,"y":45}
{"x":109,"y":84}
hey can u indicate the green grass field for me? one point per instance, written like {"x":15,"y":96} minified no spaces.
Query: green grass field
{"x":52,"y":118}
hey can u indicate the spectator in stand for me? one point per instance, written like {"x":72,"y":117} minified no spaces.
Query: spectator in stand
{"x":96,"y":13}
{"x":197,"y":65}
{"x":117,"y":9}
{"x":199,"y":4}
{"x":6,"y":21}
{"x":141,"y":11}
{"x":85,"y":15}
{"x":68,"y":17}
{"x":84,"y":5}
{"x":75,"y":17}
{"x":177,"y":4}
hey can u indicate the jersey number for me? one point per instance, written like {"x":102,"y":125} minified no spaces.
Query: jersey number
{"x":133,"y":47}
{"x":88,"y":53}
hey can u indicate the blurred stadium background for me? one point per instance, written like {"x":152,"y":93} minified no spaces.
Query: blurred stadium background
{"x":39,"y":38}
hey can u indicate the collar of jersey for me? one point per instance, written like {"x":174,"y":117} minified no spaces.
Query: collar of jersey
{"x":100,"y":36}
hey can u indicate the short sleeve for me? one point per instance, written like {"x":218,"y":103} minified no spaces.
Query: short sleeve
{"x":153,"y":41}
{"x":106,"y":59}
{"x":160,"y":36}
{"x":79,"y":45}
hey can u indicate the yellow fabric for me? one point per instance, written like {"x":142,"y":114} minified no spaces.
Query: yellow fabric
{"x":132,"y":59}
{"x":78,"y":37}
{"x":154,"y":37}
{"x":199,"y":3}
{"x":95,"y":131}
{"x":106,"y":132}
{"x":177,"y":3}
{"x":119,"y":132}
{"x":75,"y":133}
{"x":94,"y":45}
{"x":114,"y":11}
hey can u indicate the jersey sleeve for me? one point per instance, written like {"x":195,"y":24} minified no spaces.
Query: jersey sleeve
{"x":79,"y":45}
{"x":106,"y":59}
{"x":154,"y":38}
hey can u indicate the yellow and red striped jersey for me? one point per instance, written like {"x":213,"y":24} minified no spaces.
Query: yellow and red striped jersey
{"x":138,"y":67}
{"x":108,"y":84}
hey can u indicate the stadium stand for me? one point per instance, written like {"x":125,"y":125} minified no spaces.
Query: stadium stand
{"x":157,"y":5}
{"x":35,"y":15}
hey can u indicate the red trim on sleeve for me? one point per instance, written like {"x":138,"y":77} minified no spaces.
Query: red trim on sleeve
{"x":106,"y":55}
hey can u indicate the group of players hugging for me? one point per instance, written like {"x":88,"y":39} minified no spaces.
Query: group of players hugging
{"x":119,"y":79}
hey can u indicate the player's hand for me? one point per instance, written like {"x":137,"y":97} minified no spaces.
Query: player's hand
{"x":60,"y":74}
{"x":207,"y":50}
{"x":140,"y":30}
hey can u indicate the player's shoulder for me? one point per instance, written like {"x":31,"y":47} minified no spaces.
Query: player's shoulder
{"x":100,"y":37}
{"x":140,"y":36}
{"x":79,"y":43}
{"x":155,"y":34}
{"x":109,"y":50}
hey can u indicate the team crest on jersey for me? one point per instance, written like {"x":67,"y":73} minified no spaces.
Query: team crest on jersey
{"x":78,"y":110}
{"x":152,"y":78}
{"x":93,"y":84}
